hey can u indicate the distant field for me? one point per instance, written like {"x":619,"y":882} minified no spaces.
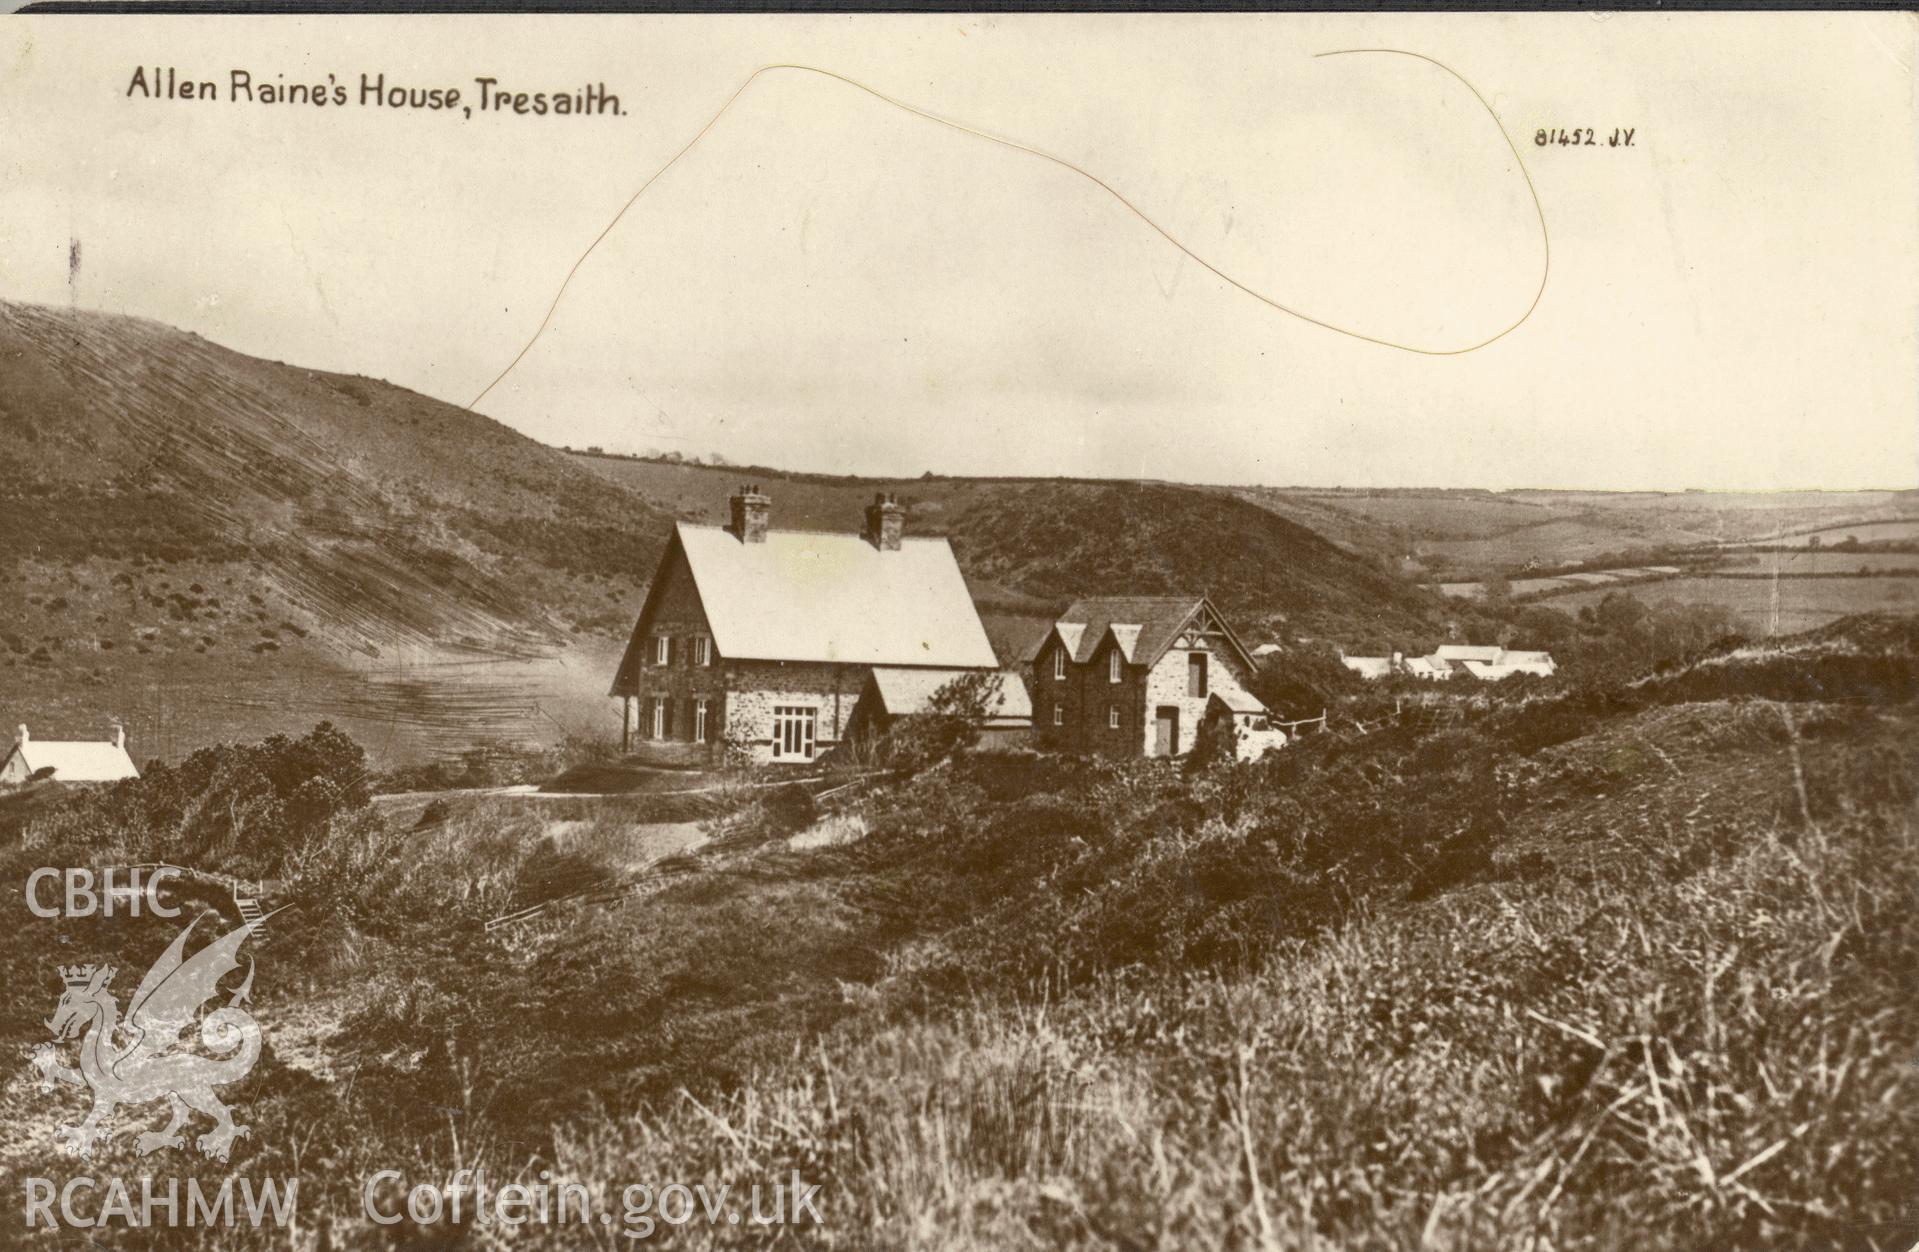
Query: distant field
{"x":1896,"y":529}
{"x":1570,"y":539}
{"x":1820,"y":561}
{"x":1766,"y":606}
{"x":1564,"y":582}
{"x":1462,"y":516}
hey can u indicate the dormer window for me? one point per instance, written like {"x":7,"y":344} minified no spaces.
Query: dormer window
{"x":662,"y":649}
{"x":1112,"y":666}
{"x":702,"y":650}
{"x":1059,"y":663}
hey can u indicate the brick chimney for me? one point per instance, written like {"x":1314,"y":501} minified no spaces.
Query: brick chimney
{"x":20,"y":735}
{"x":120,"y":736}
{"x":885,"y":522}
{"x":752,"y":510}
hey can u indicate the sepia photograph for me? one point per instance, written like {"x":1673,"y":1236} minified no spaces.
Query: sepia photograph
{"x":1115,"y":631}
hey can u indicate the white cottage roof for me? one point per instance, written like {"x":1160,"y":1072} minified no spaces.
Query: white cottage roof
{"x":75,"y":760}
{"x":1368,"y":666}
{"x":907,"y":691}
{"x":812,"y":596}
{"x":1467,"y":652}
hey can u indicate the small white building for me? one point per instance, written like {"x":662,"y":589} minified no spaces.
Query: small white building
{"x":1488,"y":663}
{"x":70,"y":760}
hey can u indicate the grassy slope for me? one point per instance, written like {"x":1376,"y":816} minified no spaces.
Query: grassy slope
{"x":1622,"y":969}
{"x":391,"y":516}
{"x":209,"y":546}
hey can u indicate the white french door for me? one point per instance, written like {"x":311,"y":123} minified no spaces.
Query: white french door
{"x":794,"y":731}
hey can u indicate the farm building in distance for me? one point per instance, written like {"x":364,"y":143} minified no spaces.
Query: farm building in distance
{"x":1488,"y":663}
{"x":1137,"y":675}
{"x":765,"y":639}
{"x":69,"y":760}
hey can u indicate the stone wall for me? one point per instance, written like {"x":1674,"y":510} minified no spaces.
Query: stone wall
{"x":1167,"y":683}
{"x":757,"y":687}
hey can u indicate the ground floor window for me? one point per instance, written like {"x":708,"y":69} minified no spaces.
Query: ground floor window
{"x":659,"y":717}
{"x":699,"y":721}
{"x":1112,"y":717}
{"x":794,"y":732}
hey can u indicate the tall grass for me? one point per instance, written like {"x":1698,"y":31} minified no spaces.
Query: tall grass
{"x":1659,"y":1053}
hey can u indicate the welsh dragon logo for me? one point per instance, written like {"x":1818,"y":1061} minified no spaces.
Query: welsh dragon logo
{"x":147,"y":1066}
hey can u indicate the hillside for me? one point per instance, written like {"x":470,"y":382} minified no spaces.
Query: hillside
{"x":395,"y":517}
{"x":1057,"y":539}
{"x":205,"y":545}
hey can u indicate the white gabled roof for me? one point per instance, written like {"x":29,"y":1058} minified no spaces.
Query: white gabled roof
{"x":908,"y":691}
{"x":76,"y":760}
{"x":1368,"y":666}
{"x":1127,"y":636}
{"x":810,"y":596}
{"x":1069,"y":634}
{"x":1467,"y":652}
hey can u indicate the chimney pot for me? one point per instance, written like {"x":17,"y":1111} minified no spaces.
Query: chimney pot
{"x":885,"y":522}
{"x":752,"y":513}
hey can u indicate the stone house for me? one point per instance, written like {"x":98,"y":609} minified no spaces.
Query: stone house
{"x":1138,"y":675}
{"x":764,"y":638}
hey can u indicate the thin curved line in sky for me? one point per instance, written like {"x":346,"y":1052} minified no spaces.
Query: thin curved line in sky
{"x":1063,"y":163}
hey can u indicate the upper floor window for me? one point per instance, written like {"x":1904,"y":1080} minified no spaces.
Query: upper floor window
{"x":1196,"y":674}
{"x":1059,"y":662}
{"x":662,"y":649}
{"x":1112,"y":666}
{"x":702,"y":650}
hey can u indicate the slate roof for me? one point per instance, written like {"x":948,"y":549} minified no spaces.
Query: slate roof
{"x":75,"y":760}
{"x":1153,"y":622}
{"x":815,"y":596}
{"x":905,"y":691}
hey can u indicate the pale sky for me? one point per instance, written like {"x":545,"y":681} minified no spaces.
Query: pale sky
{"x":827,"y":283}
